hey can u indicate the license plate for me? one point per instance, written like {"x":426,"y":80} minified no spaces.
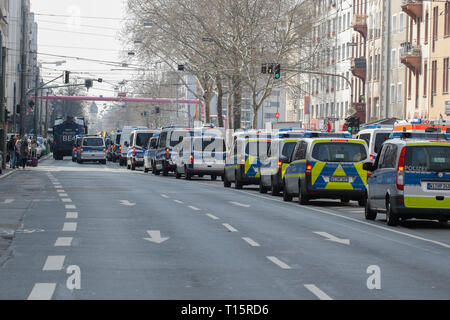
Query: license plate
{"x":438,"y":186}
{"x":338,"y":179}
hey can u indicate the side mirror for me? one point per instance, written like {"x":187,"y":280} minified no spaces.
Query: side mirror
{"x":126,"y":144}
{"x":368,"y":166}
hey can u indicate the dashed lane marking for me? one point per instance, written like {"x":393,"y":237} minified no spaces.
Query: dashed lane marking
{"x":66,"y":200}
{"x":63,"y":194}
{"x":42,"y":291}
{"x":212,"y":216}
{"x":278,"y":262}
{"x":317,"y":292}
{"x":63,"y":242}
{"x":70,"y":206}
{"x":194,"y":208}
{"x":70,"y":226}
{"x":72,"y":215}
{"x":178,"y":201}
{"x":61,"y":191}
{"x":229,"y":227}
{"x":240,"y":204}
{"x":54,"y":263}
{"x":251,"y":242}
{"x":165,"y":196}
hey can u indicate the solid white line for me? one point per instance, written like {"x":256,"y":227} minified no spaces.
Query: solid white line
{"x":278,"y":262}
{"x":70,"y":206}
{"x":42,"y":291}
{"x":194,"y":208}
{"x":62,"y":194}
{"x":251,"y":242}
{"x":54,"y":263}
{"x":66,"y":200}
{"x":165,"y":196}
{"x":72,"y":215}
{"x":178,"y":201}
{"x":63,"y":242}
{"x":212,"y":216}
{"x":230,"y":228}
{"x":240,"y":204}
{"x":70,"y":226}
{"x":317,"y":292}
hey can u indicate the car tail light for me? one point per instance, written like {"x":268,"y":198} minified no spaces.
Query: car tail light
{"x":191,"y":158}
{"x":308,"y":168}
{"x":242,"y":160}
{"x":104,"y":149}
{"x":371,"y":157}
{"x":401,"y":170}
{"x":81,"y":150}
{"x":120,"y":148}
{"x":280,"y":163}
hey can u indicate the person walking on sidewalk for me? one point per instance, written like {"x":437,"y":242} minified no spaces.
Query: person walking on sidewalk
{"x":33,"y":147}
{"x":12,"y":151}
{"x":23,"y":152}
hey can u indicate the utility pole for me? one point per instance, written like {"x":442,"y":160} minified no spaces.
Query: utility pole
{"x":46,"y":116}
{"x":36,"y":103}
{"x":23,"y":100}
{"x":3,"y":120}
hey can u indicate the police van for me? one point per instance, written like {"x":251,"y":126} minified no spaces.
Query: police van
{"x":410,"y":179}
{"x":137,"y":146}
{"x":124,"y":141}
{"x":281,"y":149}
{"x":326,"y":168}
{"x":244,"y":158}
{"x":91,"y":148}
{"x":375,"y":135}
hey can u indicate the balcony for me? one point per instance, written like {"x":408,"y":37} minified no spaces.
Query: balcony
{"x":413,"y":8}
{"x":411,"y":56}
{"x":359,"y":24}
{"x":359,"y":67}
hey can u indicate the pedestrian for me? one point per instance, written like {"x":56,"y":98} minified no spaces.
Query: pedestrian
{"x":12,"y":151}
{"x":17,"y":151}
{"x":23,"y":152}
{"x":33,"y":147}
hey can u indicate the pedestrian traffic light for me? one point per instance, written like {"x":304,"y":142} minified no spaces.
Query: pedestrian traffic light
{"x":277,"y":115}
{"x":277,"y":71}
{"x":66,"y":77}
{"x":88,"y":83}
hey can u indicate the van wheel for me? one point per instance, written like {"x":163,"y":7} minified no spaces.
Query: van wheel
{"x":213,"y":177}
{"x":226,"y":183}
{"x":275,"y":190}
{"x":237,"y":182}
{"x":286,"y":197}
{"x":302,"y":198}
{"x":391,"y":217}
{"x":262,"y":189}
{"x":103,"y":162}
{"x":443,"y":221}
{"x":145,"y":169}
{"x":177,"y":174}
{"x":369,"y":213}
{"x":362,"y":202}
{"x":187,"y":174}
{"x":133,"y":166}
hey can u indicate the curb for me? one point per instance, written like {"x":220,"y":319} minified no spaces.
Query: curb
{"x":3,"y":176}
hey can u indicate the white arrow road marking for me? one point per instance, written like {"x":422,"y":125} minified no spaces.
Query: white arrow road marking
{"x":127,"y":203}
{"x":330,"y":237}
{"x":317,"y":292}
{"x":8,"y":201}
{"x":240,"y":204}
{"x":155,"y":236}
{"x":42,"y":291}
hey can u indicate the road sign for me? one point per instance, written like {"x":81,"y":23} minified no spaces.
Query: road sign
{"x":307,"y":105}
{"x":122,"y":94}
{"x":352,"y":111}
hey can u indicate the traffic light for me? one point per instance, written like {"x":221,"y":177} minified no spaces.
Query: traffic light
{"x":100,"y":80}
{"x":157,"y":110}
{"x":88,"y":83}
{"x":270,"y":68}
{"x":18,"y":109}
{"x":277,"y":71}
{"x":356,"y":124}
{"x":264,"y":68}
{"x":66,"y":77}
{"x":181,"y":67}
{"x":349,"y":122}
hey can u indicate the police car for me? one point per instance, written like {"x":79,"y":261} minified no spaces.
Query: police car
{"x":91,"y":148}
{"x":327,"y":168}
{"x":244,"y":158}
{"x":410,"y":179}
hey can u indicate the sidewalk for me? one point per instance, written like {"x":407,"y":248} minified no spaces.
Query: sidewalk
{"x":7,"y":172}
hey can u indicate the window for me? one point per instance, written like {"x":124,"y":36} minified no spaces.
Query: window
{"x":409,"y":85}
{"x":427,"y":159}
{"x":390,"y":155}
{"x":379,"y":139}
{"x":392,"y":93}
{"x":394,"y":23}
{"x":425,"y":79}
{"x":427,"y":17}
{"x":435,"y":25}
{"x":447,"y":20}
{"x":93,"y":142}
{"x":394,"y":58}
{"x":433,"y":77}
{"x":401,"y":22}
{"x":445,"y":75}
{"x":300,"y":153}
{"x":339,"y":152}
{"x":366,"y":138}
{"x":399,"y":92}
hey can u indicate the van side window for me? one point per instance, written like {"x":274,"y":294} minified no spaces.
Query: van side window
{"x":390,"y":157}
{"x":162,"y":139}
{"x":300,"y":153}
{"x":365,"y":137}
{"x":382,"y":157}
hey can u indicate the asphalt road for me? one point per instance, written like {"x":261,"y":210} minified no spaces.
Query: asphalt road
{"x":129,"y":235}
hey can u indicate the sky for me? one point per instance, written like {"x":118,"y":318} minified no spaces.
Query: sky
{"x":85,"y":29}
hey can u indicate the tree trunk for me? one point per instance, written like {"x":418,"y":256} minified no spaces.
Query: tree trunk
{"x":237,"y":101}
{"x":219,"y":101}
{"x":207,"y":98}
{"x":230,"y":110}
